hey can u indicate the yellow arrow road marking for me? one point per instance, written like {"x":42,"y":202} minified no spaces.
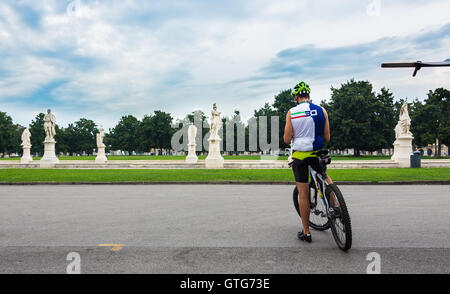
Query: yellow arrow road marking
{"x":115,"y":247}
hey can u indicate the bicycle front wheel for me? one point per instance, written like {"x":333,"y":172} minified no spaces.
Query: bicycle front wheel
{"x":318,"y":219}
{"x":339,"y":217}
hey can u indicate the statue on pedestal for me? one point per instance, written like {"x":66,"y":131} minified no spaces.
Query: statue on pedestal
{"x":192,"y":133}
{"x":26,"y":144}
{"x":101,"y":156}
{"x":403,"y":138}
{"x":214,"y":158}
{"x":49,"y":157}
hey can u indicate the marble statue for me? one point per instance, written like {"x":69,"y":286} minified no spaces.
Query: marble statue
{"x":26,"y":144}
{"x":26,"y":135}
{"x":404,"y":123}
{"x":192,"y":134}
{"x":403,"y":138}
{"x":216,"y":122}
{"x":49,"y":125}
{"x":101,"y":155}
{"x":214,"y":158}
{"x":49,"y":159}
{"x":100,"y":137}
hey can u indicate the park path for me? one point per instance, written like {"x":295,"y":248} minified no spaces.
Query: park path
{"x":216,"y":228}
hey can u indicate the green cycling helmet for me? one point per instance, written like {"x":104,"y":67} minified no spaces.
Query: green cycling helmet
{"x":301,"y":88}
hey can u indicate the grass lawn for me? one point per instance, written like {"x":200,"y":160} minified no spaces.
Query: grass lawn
{"x":187,"y":175}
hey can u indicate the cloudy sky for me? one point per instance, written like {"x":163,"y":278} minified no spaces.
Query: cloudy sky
{"x":104,"y":59}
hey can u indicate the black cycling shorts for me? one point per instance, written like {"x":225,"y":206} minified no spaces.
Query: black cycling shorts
{"x":301,"y":170}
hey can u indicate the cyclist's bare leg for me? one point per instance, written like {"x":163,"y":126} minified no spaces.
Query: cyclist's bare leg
{"x":303,"y":195}
{"x":329,"y":182}
{"x":327,"y":179}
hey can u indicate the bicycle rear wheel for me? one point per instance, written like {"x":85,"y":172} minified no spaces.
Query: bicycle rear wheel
{"x":340,"y":218}
{"x":318,"y":219}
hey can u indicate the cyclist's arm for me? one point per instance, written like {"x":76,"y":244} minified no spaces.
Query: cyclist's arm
{"x":326,"y":129}
{"x":288,"y":131}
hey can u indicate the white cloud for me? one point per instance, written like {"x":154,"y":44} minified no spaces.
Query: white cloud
{"x":132,"y":57}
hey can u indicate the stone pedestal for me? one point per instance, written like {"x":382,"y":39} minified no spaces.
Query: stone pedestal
{"x":214,"y":158}
{"x":49,"y":151}
{"x":191,"y":157}
{"x":26,"y":157}
{"x":101,"y":156}
{"x":402,"y":150}
{"x":49,"y":159}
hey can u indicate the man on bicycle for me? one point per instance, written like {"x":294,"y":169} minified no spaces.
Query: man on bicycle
{"x":308,"y":127}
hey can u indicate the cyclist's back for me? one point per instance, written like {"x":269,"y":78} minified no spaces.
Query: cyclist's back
{"x":308,"y":121}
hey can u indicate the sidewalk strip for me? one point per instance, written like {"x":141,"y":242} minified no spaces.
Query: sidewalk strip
{"x":440,"y":182}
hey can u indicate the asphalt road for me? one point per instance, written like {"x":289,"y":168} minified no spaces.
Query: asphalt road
{"x":216,"y":229}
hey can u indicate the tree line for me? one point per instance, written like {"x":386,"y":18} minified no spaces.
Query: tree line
{"x":365,"y":120}
{"x":360,"y":119}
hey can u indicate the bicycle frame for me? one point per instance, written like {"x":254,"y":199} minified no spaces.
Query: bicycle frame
{"x":318,"y":179}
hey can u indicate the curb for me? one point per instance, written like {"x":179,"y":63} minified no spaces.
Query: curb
{"x":447,"y":182}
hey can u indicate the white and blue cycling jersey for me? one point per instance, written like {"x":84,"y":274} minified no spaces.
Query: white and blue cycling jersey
{"x":308,"y":121}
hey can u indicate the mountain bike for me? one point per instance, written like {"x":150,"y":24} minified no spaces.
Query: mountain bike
{"x":328,"y":208}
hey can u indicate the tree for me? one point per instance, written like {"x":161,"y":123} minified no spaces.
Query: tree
{"x":156,"y":131}
{"x":430,"y":120}
{"x":359,"y":119}
{"x":283,"y":103}
{"x":385,"y":119}
{"x":67,"y":139}
{"x":438,"y":109}
{"x":146,"y":133}
{"x":266,"y":110}
{"x":85,"y":133}
{"x":163,"y":130}
{"x":196,"y":114}
{"x":37,"y":134}
{"x":124,"y":135}
{"x":78,"y":137}
{"x":10,"y":134}
{"x":17,"y":139}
